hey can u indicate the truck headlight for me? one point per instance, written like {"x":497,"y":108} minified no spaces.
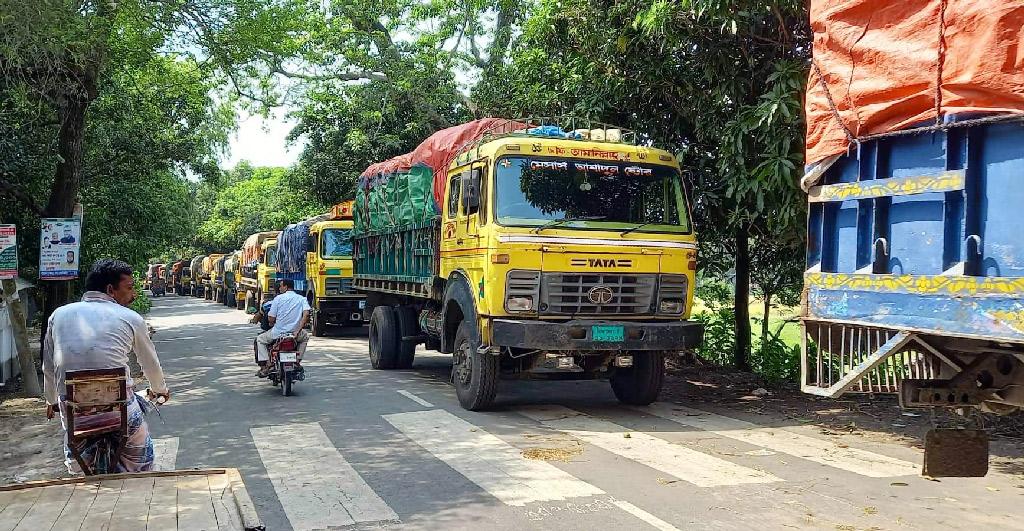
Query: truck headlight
{"x":671,"y":306}
{"x":519,"y":304}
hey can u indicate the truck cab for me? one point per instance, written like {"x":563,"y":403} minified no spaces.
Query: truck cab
{"x":267,"y":268}
{"x":329,"y":276}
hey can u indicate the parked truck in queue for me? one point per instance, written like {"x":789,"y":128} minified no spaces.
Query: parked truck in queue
{"x":259,"y":259}
{"x":528,"y":252}
{"x":329,"y":267}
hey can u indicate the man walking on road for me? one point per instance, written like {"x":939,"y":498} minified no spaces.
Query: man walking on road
{"x":288,"y":315}
{"x":99,"y":333}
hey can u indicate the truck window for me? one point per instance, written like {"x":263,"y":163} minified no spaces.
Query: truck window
{"x":483,"y":196}
{"x":454,"y":190}
{"x":529,"y":192}
{"x":337,"y":243}
{"x":270,"y":259}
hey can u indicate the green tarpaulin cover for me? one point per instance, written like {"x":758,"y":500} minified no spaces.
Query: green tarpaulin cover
{"x":395,"y":201}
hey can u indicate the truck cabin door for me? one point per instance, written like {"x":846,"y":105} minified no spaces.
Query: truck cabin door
{"x":312,"y":259}
{"x":463,"y":209}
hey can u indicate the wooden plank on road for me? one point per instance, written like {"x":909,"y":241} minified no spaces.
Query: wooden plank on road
{"x":195,"y":510}
{"x":132,"y":508}
{"x":18,"y":508}
{"x":46,"y":509}
{"x":102,"y":507}
{"x":77,"y":507}
{"x":163,"y":507}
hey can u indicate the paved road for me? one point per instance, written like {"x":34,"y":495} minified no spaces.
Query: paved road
{"x":361,"y":448}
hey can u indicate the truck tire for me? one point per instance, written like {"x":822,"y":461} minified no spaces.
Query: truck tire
{"x":640,"y":384}
{"x":232,"y":300}
{"x":407,"y":326}
{"x":317,"y":324}
{"x":383,"y":338}
{"x":475,"y":375}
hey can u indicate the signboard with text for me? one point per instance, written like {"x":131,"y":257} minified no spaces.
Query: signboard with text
{"x":58,"y":248}
{"x":8,"y":252}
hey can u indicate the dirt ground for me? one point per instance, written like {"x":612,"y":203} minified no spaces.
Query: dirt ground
{"x":875,"y":417}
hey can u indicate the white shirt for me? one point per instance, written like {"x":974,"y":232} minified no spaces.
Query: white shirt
{"x":97,"y":333}
{"x":287,"y":309}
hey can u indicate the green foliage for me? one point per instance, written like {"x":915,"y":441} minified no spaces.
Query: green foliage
{"x":775,"y":360}
{"x":254,"y":200}
{"x":719,"y":337}
{"x":141,"y":304}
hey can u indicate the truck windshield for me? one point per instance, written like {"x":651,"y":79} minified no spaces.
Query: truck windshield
{"x":533,"y":191}
{"x":337,"y":243}
{"x":270,"y":259}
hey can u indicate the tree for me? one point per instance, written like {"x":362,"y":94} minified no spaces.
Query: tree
{"x":256,"y":200}
{"x":56,"y":58}
{"x":718,"y":81}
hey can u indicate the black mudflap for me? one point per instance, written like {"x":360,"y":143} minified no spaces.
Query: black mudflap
{"x":955,"y":453}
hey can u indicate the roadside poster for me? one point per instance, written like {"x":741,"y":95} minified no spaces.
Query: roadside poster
{"x":58,"y":248}
{"x":8,"y":252}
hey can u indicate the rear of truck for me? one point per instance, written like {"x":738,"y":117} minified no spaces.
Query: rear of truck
{"x":544,"y":254}
{"x":915,"y":260}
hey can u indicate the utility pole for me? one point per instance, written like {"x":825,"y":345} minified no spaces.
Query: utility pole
{"x":16,"y":311}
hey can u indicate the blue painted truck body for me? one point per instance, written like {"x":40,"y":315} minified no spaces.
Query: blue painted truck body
{"x":924,"y":233}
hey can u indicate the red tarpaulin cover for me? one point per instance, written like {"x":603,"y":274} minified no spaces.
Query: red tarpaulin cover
{"x":883,"y":62}
{"x":438,"y":150}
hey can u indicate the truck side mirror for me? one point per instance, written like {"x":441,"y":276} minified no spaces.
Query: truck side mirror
{"x":471,"y":191}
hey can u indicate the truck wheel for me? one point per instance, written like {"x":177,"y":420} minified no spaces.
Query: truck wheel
{"x":407,"y":326}
{"x":640,"y":384}
{"x":475,"y":375}
{"x":317,"y":324}
{"x":383,"y":338}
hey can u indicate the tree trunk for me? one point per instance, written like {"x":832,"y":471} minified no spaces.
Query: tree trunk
{"x":741,"y":353}
{"x":64,"y":193}
{"x":16,"y":311}
{"x":764,"y":319}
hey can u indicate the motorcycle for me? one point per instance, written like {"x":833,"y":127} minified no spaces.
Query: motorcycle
{"x":285,"y":358}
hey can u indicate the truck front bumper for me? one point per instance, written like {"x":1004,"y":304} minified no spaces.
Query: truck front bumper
{"x":576,"y":335}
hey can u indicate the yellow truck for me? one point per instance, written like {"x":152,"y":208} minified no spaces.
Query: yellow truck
{"x":527,"y":251}
{"x":316,"y":254}
{"x":232,"y":274}
{"x":259,"y":255}
{"x":213,"y":265}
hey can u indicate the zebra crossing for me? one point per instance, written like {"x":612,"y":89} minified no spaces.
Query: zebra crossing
{"x":319,"y":488}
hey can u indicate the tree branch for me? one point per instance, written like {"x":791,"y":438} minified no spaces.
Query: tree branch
{"x":14,"y":191}
{"x":341,"y":76}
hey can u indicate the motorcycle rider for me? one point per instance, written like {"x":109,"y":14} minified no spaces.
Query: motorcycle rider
{"x":288,"y":315}
{"x":99,"y":333}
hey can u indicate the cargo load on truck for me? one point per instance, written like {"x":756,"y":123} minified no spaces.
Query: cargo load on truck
{"x":528,"y":249}
{"x":915,"y":257}
{"x":316,"y":255}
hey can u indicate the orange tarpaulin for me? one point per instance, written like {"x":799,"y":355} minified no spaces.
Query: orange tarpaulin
{"x":889,"y":64}
{"x":440,"y":148}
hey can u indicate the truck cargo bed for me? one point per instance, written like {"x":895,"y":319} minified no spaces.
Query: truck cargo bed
{"x":402,"y":261}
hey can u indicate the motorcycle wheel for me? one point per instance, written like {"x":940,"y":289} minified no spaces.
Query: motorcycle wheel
{"x":286,"y":383}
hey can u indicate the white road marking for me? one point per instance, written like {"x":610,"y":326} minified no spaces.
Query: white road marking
{"x":684,"y":463}
{"x":314,"y":483}
{"x":415,"y":398}
{"x":496,"y":466}
{"x":654,"y":521}
{"x":331,"y":357}
{"x":820,"y":451}
{"x":165,"y":453}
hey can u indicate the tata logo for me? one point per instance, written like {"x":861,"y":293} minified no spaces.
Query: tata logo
{"x":600,"y":295}
{"x":600,"y":262}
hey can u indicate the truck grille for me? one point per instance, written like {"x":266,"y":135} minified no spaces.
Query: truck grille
{"x":570,"y":293}
{"x":339,"y":286}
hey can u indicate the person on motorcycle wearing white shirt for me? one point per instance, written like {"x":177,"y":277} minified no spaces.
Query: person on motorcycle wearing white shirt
{"x":288,"y":315}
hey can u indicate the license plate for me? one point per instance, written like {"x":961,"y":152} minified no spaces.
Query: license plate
{"x":610,"y":333}
{"x":362,"y":305}
{"x":286,"y":356}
